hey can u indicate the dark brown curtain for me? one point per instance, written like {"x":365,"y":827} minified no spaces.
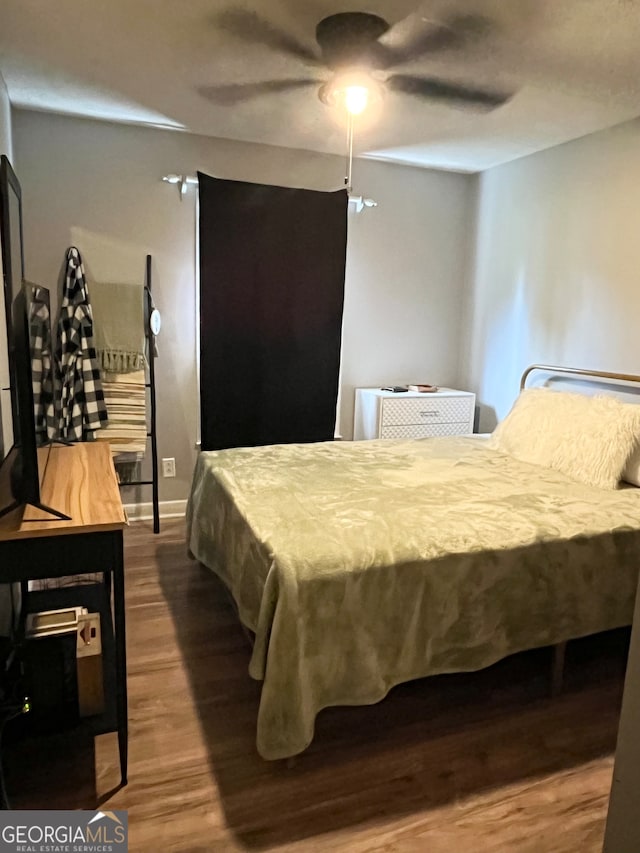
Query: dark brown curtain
{"x":272,"y":263}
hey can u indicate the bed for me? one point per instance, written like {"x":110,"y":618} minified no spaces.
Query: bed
{"x":357,"y":566}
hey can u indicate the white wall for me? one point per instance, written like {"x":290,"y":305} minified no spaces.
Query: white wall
{"x":407,"y":261}
{"x":556,"y":275}
{"x":97,"y":185}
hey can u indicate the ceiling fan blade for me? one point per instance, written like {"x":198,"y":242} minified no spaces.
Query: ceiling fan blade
{"x":250,"y":27}
{"x":441,"y":90}
{"x":235,"y":93}
{"x":455,"y":32}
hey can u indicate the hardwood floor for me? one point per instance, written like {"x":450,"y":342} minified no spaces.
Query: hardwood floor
{"x":477,"y":762}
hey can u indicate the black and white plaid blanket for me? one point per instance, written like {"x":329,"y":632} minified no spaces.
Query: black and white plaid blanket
{"x":45,"y":414}
{"x":82,"y":406}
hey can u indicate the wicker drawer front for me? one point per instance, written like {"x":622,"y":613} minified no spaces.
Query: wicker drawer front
{"x":430,"y":410}
{"x":423,"y":430}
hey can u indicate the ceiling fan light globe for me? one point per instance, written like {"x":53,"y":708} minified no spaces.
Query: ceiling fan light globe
{"x":351,"y":90}
{"x":356,"y":99}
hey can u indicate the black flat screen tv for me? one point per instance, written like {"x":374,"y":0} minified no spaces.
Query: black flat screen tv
{"x":19,"y":475}
{"x":11,"y":248}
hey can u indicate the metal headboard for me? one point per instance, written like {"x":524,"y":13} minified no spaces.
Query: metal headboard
{"x":577,"y":371}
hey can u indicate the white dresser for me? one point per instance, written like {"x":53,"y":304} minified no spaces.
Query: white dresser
{"x":411,"y":414}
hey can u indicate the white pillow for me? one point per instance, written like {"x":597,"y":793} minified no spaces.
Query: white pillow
{"x":588,"y":438}
{"x":631,"y":473}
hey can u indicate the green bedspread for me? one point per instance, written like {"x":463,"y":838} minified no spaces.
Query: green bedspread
{"x":360,"y":565}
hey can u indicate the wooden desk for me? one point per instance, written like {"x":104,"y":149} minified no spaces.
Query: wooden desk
{"x":80,"y":481}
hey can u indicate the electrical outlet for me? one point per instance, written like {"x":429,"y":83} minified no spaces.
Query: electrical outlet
{"x":169,"y":467}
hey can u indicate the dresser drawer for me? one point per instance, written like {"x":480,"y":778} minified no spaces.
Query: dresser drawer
{"x":424,"y":430}
{"x":426,"y":410}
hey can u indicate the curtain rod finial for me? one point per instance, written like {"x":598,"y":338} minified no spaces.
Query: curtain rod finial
{"x":360,"y":203}
{"x":182,"y":181}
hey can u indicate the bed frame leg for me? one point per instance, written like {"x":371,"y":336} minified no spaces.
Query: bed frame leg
{"x":557,"y":668}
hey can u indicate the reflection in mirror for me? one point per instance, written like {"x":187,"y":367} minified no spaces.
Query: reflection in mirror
{"x":17,"y":262}
{"x":39,"y":310}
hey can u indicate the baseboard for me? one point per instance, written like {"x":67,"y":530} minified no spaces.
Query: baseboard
{"x":144,"y":511}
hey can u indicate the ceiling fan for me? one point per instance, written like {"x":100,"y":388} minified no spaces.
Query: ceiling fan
{"x":356,"y":48}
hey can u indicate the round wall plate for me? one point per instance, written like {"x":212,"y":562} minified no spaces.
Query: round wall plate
{"x":155,"y":321}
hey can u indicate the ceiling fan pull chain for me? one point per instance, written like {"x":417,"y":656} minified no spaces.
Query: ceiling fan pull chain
{"x":350,"y":154}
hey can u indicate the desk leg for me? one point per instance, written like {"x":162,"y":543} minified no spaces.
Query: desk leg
{"x":121,"y":652}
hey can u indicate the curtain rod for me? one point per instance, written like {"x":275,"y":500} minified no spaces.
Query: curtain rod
{"x":186,"y":181}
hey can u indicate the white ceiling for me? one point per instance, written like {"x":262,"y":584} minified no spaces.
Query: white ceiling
{"x":574,"y":66}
